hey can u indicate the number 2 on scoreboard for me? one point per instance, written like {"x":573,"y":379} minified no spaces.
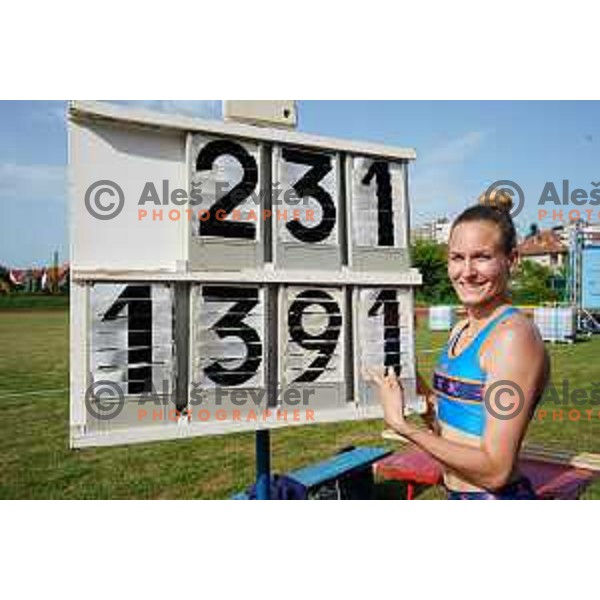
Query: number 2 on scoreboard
{"x":217,"y":223}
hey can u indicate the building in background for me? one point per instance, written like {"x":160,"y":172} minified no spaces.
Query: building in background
{"x":546,"y":248}
{"x":437,"y":231}
{"x":592,"y":231}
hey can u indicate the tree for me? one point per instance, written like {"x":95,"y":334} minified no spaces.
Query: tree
{"x":4,"y":284}
{"x":532,"y":284}
{"x":533,"y":230}
{"x":431,"y":259}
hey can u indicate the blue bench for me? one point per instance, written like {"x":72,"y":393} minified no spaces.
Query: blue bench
{"x":343,"y":466}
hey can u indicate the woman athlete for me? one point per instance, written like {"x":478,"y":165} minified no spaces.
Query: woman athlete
{"x":491,"y":373}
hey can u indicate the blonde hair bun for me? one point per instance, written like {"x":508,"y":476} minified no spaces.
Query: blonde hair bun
{"x":500,"y":199}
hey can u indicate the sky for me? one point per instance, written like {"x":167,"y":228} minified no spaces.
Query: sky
{"x":462,"y":147}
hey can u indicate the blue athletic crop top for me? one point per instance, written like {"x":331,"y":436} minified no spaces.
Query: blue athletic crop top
{"x":459,"y":381}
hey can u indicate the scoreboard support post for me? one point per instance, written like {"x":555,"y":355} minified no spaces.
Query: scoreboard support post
{"x":263,"y":464}
{"x":263,"y":436}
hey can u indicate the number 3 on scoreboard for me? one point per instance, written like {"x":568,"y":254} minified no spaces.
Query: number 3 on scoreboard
{"x":305,"y":191}
{"x":229,"y":333}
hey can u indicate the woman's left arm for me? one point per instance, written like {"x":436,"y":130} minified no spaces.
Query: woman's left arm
{"x":515,"y":364}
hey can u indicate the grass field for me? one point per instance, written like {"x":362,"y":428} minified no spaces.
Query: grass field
{"x":36,"y":462}
{"x":22,"y":301}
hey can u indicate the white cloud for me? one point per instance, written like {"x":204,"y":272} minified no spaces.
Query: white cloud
{"x":438,"y":177}
{"x":455,"y":151}
{"x":52,"y":110}
{"x":49,"y":182}
{"x":33,"y":182}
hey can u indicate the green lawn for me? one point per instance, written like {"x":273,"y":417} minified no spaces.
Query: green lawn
{"x":24,"y":301}
{"x":35,"y":460}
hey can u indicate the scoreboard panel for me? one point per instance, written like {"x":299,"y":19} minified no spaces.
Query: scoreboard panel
{"x":306,"y":205}
{"x":285,"y":275}
{"x":384,"y":338}
{"x":377,"y":213}
{"x":228,"y":348}
{"x":132,"y":354}
{"x":117,"y":170}
{"x":225,"y":190}
{"x":312,"y":348}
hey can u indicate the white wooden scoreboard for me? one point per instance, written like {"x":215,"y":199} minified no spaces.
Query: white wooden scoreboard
{"x":229,"y":277}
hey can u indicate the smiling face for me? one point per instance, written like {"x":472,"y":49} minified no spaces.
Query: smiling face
{"x":477,"y":265}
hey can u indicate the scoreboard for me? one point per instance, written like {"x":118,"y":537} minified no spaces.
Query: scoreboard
{"x":228,"y":277}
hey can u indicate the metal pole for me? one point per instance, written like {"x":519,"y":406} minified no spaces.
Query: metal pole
{"x":263,"y":464}
{"x":275,"y":113}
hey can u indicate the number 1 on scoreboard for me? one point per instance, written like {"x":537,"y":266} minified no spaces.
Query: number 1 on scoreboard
{"x":377,"y":213}
{"x":383,"y":337}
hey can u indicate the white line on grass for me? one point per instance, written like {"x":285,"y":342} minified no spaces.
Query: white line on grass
{"x":33,"y":393}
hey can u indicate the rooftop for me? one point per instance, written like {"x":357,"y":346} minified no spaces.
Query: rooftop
{"x":543,"y":242}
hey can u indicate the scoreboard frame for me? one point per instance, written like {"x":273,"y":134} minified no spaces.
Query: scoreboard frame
{"x":122,"y":139}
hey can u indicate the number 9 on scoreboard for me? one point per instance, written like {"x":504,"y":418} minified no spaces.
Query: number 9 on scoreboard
{"x":312,"y":345}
